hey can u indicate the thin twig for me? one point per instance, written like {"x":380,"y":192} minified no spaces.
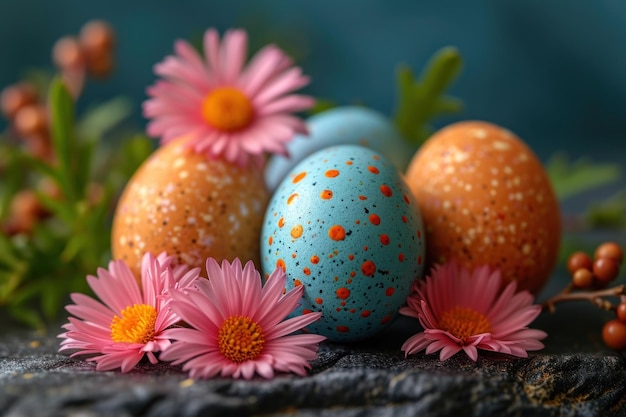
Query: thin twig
{"x":594,"y":297}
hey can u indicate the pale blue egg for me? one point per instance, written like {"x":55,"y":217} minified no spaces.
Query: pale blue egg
{"x":342,"y":125}
{"x":345,"y":226}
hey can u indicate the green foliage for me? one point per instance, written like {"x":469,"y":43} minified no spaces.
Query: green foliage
{"x":573,"y":178}
{"x":422,"y":100}
{"x":38,"y":270}
{"x":610,"y":213}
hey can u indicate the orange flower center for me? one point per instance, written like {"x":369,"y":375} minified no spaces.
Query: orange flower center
{"x":464,"y":322}
{"x":240,"y":339}
{"x":227,"y":109}
{"x":136,"y":324}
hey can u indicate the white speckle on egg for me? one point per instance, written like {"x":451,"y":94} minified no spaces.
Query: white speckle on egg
{"x":173,"y":191}
{"x":501,"y":146}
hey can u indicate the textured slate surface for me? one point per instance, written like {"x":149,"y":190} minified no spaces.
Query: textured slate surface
{"x":574,"y":376}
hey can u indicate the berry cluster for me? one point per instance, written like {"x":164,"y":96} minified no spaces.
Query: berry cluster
{"x":25,"y":109}
{"x":587,"y":275}
{"x":90,"y":53}
{"x":596,"y":273}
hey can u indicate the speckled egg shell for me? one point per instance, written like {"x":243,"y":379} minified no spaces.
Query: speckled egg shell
{"x":344,"y":224}
{"x":191,"y":207}
{"x":349,"y":125}
{"x":486,"y":199}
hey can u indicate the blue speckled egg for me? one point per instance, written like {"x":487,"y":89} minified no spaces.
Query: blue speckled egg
{"x":344,"y":224}
{"x":350,"y":125}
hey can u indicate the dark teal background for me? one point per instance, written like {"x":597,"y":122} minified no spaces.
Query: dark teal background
{"x":554,"y":72}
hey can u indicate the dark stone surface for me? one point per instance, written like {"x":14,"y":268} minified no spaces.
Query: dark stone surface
{"x":574,"y":376}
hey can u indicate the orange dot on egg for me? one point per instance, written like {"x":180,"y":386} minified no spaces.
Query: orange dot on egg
{"x":374,"y":219}
{"x":365,"y":313}
{"x":368,"y":268}
{"x":337,"y":232}
{"x":404,"y":219}
{"x":296,"y":231}
{"x":315,"y":259}
{"x":326,"y":195}
{"x":292,"y":198}
{"x":299,"y":177}
{"x":401,"y":257}
{"x":319,"y":301}
{"x":384,"y":239}
{"x":385,"y":319}
{"x":306,"y":271}
{"x":362,"y":197}
{"x":270,"y":240}
{"x":406,"y":199}
{"x":351,"y":256}
{"x":281,"y":222}
{"x":373,"y":169}
{"x":281,"y":264}
{"x":297,"y":282}
{"x":331,"y":173}
{"x":343,"y":329}
{"x":306,"y":311}
{"x":348,"y":162}
{"x":386,"y":190}
{"x":389,"y":291}
{"x":342,"y":293}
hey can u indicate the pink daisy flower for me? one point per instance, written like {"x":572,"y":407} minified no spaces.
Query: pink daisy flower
{"x":130,"y":321}
{"x":237,"y":326}
{"x":223,"y":108}
{"x":463,"y":310}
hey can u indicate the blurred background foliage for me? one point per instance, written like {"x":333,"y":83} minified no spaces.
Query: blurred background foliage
{"x":552,"y":72}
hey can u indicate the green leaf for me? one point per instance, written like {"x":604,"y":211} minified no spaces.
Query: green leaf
{"x":27,"y":315}
{"x":62,"y":210}
{"x":421,"y":101}
{"x":573,"y":178}
{"x":11,"y":183}
{"x":133,"y":153}
{"x":610,"y":213}
{"x":99,"y":120}
{"x":74,"y":246}
{"x":63,"y":138}
{"x":9,"y":282}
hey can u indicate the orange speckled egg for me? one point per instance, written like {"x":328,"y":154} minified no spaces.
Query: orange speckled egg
{"x":486,"y":199}
{"x":191,"y":207}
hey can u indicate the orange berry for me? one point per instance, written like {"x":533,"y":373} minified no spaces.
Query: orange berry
{"x":614,"y":334}
{"x":605,"y":269}
{"x":97,"y":36}
{"x":15,"y":97}
{"x":25,"y":202}
{"x":578,"y":260}
{"x":100,"y":65}
{"x":621,"y":312}
{"x":583,"y":278}
{"x":609,"y":250}
{"x":40,"y":147}
{"x":31,"y":120}
{"x":67,"y":54}
{"x":97,"y":40}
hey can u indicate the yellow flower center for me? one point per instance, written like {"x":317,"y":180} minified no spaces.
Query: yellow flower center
{"x":240,"y":339}
{"x":464,"y":322}
{"x":227,"y":109}
{"x":136,"y":324}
